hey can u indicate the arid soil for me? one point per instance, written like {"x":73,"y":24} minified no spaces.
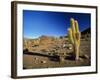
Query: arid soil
{"x":51,"y":52}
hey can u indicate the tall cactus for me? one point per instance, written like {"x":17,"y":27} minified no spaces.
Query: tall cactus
{"x":74,"y":36}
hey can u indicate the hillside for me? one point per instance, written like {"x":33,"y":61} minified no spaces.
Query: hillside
{"x":88,"y":30}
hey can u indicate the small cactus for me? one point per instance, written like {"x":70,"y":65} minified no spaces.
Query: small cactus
{"x":74,"y":36}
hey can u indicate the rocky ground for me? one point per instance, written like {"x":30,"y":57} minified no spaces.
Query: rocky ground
{"x":50,"y":52}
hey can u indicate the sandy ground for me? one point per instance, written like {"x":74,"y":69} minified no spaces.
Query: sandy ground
{"x":38,"y":59}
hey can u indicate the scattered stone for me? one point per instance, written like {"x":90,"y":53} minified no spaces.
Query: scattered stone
{"x":64,"y":45}
{"x":80,"y":59}
{"x":43,"y":61}
{"x":70,"y":48}
{"x":84,"y":56}
{"x":35,"y":58}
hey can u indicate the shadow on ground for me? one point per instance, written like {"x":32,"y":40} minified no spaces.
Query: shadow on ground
{"x":54,"y":58}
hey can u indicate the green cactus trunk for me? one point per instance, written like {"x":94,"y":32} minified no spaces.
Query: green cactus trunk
{"x":76,"y":51}
{"x":74,"y":37}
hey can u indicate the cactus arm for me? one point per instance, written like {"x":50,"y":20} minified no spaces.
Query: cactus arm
{"x":76,"y":26}
{"x":77,"y":32}
{"x":72,"y":24}
{"x":70,"y":37}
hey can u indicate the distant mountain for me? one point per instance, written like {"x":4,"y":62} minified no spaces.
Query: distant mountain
{"x":88,"y":30}
{"x":44,"y":37}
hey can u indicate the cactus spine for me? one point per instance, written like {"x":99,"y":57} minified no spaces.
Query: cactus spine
{"x":74,"y":37}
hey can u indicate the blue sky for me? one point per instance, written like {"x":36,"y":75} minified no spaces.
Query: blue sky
{"x":37,"y":23}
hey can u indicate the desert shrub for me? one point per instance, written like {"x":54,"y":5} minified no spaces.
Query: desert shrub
{"x":35,"y":45}
{"x":44,"y":50}
{"x":26,"y":50}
